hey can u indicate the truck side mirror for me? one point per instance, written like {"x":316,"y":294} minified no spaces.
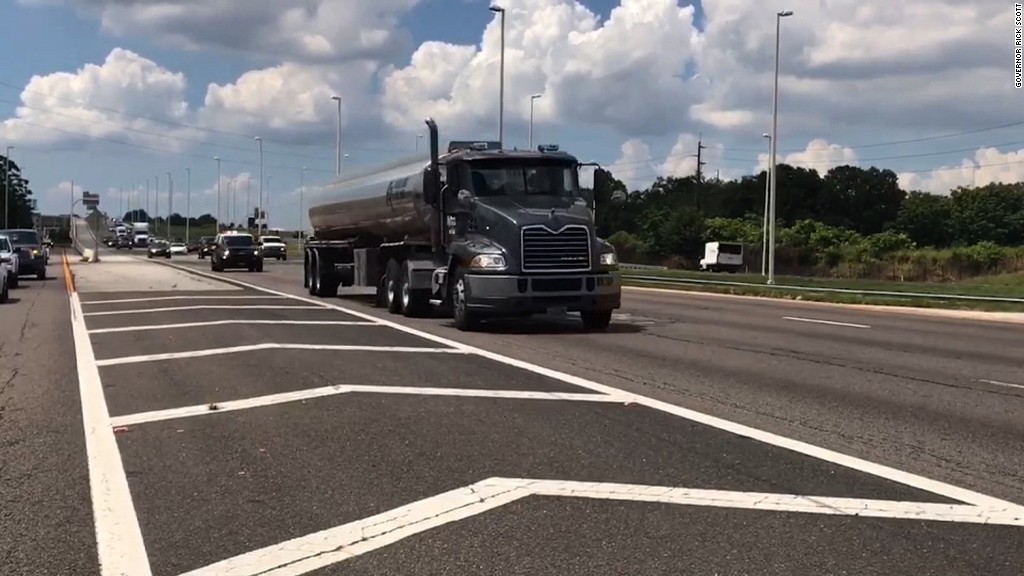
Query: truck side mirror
{"x":602,"y":179}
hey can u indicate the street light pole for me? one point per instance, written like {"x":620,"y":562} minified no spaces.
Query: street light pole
{"x":170,"y":205}
{"x":501,"y":81}
{"x":156,"y":203}
{"x":302,"y":191}
{"x":7,"y":187}
{"x":764,"y":228}
{"x":337,"y":144}
{"x":259,"y":207}
{"x":188,"y":203}
{"x":217,"y":158}
{"x":533,"y":98}
{"x":775,"y":142}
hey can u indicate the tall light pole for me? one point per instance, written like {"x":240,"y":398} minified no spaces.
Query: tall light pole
{"x":248,"y":202}
{"x":337,"y":144}
{"x":188,"y":203}
{"x":149,"y":215}
{"x":764,"y":228}
{"x":266,"y":222}
{"x":217,"y":158}
{"x":259,"y":207}
{"x":7,"y":187}
{"x":302,"y":191}
{"x":170,"y":204}
{"x":156,"y":203}
{"x":775,"y":142}
{"x":501,"y":81}
{"x":533,"y":98}
{"x":227,"y":209}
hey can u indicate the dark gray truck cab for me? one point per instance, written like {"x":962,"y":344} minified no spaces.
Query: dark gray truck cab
{"x":31,"y":251}
{"x":479,"y":231}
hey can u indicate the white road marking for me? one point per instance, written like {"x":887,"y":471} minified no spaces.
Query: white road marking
{"x":284,"y":397}
{"x":199,"y":307}
{"x":851,"y":462}
{"x":197,"y":297}
{"x":829,"y":322}
{"x":1006,"y":384}
{"x":314,"y":551}
{"x":118,"y":536}
{"x":228,"y":322}
{"x":270,"y":346}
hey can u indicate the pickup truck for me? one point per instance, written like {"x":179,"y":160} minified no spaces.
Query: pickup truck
{"x":32,"y":254}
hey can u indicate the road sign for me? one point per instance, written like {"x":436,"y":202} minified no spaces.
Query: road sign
{"x":90,"y":199}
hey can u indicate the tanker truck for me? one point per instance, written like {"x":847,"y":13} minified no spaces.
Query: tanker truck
{"x":478,"y":232}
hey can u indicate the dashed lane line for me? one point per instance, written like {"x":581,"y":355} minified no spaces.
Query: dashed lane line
{"x":285,"y":397}
{"x":166,"y":298}
{"x":271,"y":346}
{"x":231,"y":322}
{"x":826,"y":322}
{"x":199,"y":307}
{"x":308,"y":553}
{"x":851,"y":462}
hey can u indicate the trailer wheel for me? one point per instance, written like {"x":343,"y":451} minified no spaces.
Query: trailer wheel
{"x":464,"y":318}
{"x":414,"y":302}
{"x":391,"y":286}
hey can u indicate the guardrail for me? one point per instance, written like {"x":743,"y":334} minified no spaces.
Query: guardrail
{"x":677,"y":281}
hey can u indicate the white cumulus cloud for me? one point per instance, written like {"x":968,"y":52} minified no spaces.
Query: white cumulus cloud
{"x":988,"y":166}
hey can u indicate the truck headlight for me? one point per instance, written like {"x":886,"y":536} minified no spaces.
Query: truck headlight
{"x":488,"y":261}
{"x":227,"y":253}
{"x":609,"y":259}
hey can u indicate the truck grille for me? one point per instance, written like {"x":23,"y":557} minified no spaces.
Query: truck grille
{"x":567,"y":250}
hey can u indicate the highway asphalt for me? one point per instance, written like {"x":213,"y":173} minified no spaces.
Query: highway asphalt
{"x":248,"y":430}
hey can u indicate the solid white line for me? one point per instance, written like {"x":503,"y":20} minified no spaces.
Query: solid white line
{"x":269,"y":346}
{"x":851,"y":462}
{"x":227,"y":322}
{"x":998,"y":383}
{"x":284,"y":397}
{"x":163,"y":298}
{"x":829,"y":322}
{"x":314,"y":551}
{"x":200,"y":307}
{"x":119,"y":540}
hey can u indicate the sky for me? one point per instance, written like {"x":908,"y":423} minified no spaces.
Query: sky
{"x":115,"y":95}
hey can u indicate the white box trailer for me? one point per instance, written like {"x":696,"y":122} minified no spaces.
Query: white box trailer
{"x":722,"y":256}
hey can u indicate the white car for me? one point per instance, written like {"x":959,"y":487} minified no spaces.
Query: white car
{"x":178,"y":248}
{"x":10,"y":259}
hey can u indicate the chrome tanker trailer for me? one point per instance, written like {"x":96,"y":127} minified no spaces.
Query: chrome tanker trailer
{"x":478,"y":231}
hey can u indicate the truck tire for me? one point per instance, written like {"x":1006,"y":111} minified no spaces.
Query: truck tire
{"x":4,"y":294}
{"x":41,"y":273}
{"x":392,"y":286}
{"x":465,"y":319}
{"x":596,"y":319}
{"x":14,"y":280}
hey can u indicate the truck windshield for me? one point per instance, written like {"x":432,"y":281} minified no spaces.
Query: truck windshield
{"x":5,"y":245}
{"x":502,"y":179}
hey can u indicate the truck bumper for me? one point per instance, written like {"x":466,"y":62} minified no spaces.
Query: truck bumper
{"x":508,"y":294}
{"x":28,"y":266}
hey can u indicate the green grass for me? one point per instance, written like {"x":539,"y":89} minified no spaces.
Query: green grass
{"x":1005,"y":285}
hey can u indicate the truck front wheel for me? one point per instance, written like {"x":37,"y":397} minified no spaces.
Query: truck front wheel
{"x":465,"y":319}
{"x":392,"y":286}
{"x":596,"y":319}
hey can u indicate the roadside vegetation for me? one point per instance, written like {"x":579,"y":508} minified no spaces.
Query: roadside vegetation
{"x":850,"y":228}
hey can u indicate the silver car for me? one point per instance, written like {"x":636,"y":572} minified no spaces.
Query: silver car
{"x":9,"y":256}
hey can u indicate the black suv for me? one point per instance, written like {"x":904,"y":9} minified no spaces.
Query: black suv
{"x":31,"y":252}
{"x":235,"y":251}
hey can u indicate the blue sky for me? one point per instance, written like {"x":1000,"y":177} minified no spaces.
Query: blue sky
{"x":624,"y":95}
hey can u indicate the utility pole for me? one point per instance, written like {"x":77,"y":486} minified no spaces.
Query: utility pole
{"x":337,"y":142}
{"x":501,"y":79}
{"x":700,"y":166}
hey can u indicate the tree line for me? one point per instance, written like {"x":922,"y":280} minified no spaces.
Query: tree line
{"x":20,"y":195}
{"x":851,"y":221}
